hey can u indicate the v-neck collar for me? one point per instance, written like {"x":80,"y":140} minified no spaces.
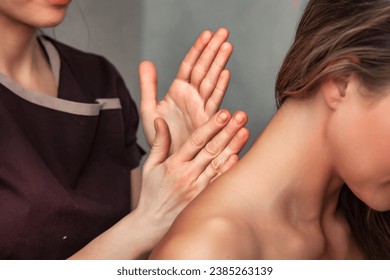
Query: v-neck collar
{"x":86,"y":108}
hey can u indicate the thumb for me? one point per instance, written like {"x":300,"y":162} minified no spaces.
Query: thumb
{"x":148,"y":87}
{"x":161,"y":145}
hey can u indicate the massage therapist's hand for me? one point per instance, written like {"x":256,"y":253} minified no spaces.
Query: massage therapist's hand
{"x":196,"y":93}
{"x":170,"y":183}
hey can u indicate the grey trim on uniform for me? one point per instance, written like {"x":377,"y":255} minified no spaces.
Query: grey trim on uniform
{"x":66,"y":106}
{"x":109,"y":103}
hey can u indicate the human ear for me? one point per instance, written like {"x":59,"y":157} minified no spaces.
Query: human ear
{"x":334,"y":91}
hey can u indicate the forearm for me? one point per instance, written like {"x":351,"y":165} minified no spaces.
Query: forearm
{"x":130,"y":238}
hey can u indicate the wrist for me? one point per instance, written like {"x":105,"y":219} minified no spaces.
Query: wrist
{"x":153,"y":228}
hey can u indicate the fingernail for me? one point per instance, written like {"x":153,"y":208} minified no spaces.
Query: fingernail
{"x":238,"y":119}
{"x":222,"y":118}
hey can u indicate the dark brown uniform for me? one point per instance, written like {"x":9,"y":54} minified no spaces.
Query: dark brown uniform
{"x":65,"y":162}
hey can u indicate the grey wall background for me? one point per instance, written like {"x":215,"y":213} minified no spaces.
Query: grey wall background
{"x":129,"y":31}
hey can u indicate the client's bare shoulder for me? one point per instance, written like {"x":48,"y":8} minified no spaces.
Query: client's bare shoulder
{"x":213,"y":226}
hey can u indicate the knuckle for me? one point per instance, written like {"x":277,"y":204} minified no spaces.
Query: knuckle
{"x":238,"y":140}
{"x":211,"y":149}
{"x":213,"y":48}
{"x":226,"y":134}
{"x":169,"y":164}
{"x":185,"y":179}
{"x":234,"y":143}
{"x":197,"y":140}
{"x":181,"y":182}
{"x":230,"y":130}
{"x":216,"y":165}
{"x":191,"y":192}
{"x":229,"y":150}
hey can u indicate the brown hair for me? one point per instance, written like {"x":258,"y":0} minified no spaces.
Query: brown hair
{"x":338,"y":38}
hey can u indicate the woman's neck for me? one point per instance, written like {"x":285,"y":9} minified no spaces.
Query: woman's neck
{"x":290,"y":167}
{"x":22,"y":58}
{"x":292,"y":161}
{"x":19,"y":48}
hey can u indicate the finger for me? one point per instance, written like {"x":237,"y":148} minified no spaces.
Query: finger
{"x":221,"y":143}
{"x":226,"y":159}
{"x":148,"y":87}
{"x":201,"y":136}
{"x":205,"y":60}
{"x":215,"y":100}
{"x":233,"y":159}
{"x":232,"y":150}
{"x":236,"y":144}
{"x":189,"y":61}
{"x":159,"y":151}
{"x":209,"y":82}
{"x":205,"y":179}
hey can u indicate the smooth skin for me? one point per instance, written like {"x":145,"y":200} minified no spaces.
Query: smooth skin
{"x":280,"y":200}
{"x":173,"y":174}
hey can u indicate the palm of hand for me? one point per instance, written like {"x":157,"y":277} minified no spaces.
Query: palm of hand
{"x":195,"y":94}
{"x":184,"y":111}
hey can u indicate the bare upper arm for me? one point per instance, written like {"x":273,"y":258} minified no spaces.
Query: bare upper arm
{"x":214,"y":226}
{"x":214,"y":238}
